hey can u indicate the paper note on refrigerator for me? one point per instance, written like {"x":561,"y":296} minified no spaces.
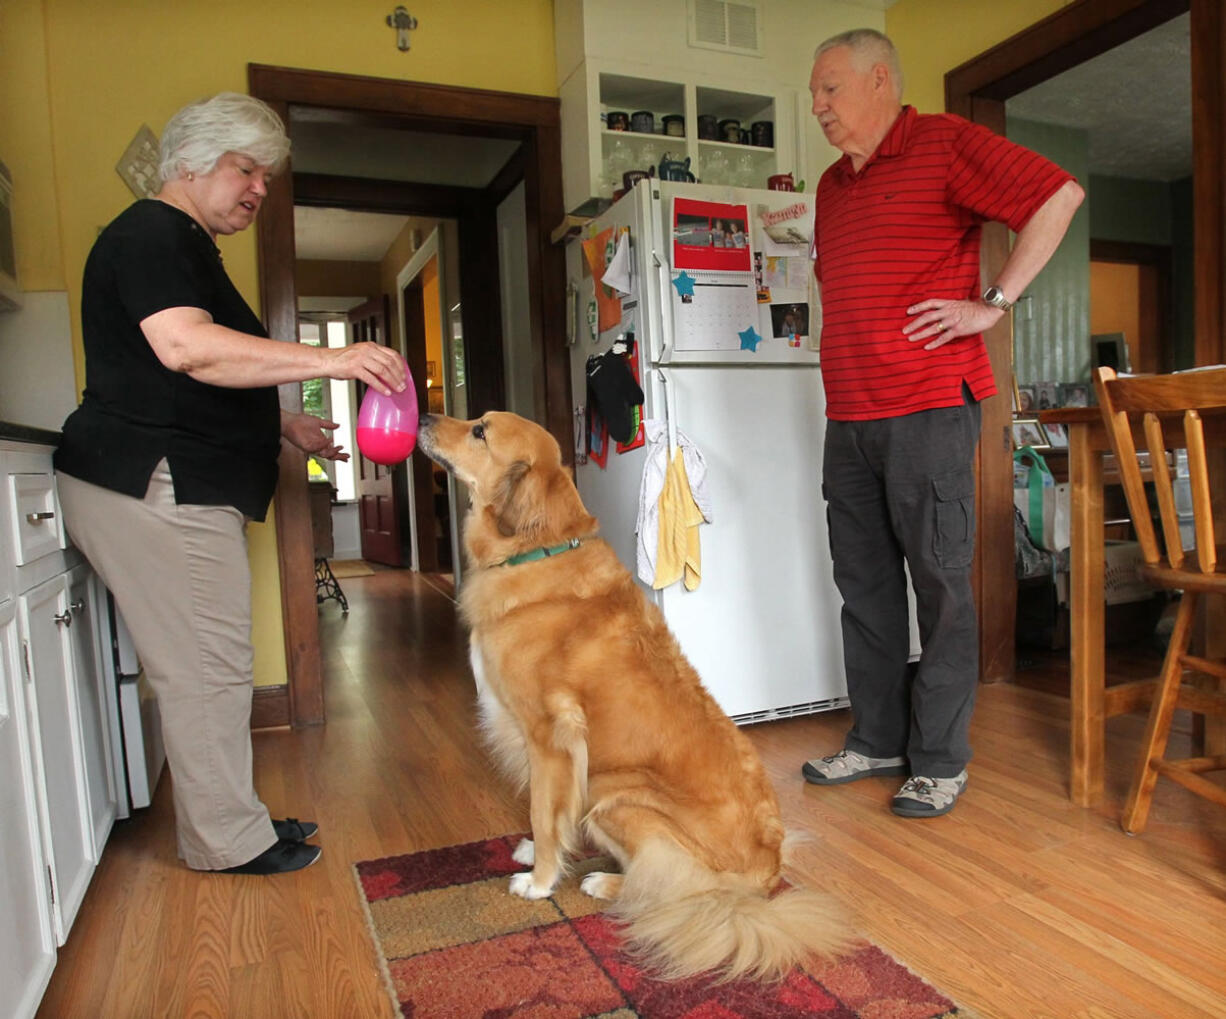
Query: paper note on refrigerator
{"x":714,"y":310}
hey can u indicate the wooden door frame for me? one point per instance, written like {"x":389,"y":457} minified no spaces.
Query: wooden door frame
{"x":535,"y":122}
{"x":977,"y":90}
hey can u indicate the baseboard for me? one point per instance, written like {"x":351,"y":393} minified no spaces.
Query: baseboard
{"x":270,"y":707}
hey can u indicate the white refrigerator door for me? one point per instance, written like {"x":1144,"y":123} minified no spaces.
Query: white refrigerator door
{"x":611,"y":494}
{"x":762,"y":628}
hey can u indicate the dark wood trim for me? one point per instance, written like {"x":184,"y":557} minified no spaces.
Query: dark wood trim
{"x":977,"y":90}
{"x":506,"y":179}
{"x":480,"y":308}
{"x":1208,"y":185}
{"x":535,"y":122}
{"x":994,"y":549}
{"x":270,"y":707}
{"x":291,"y":506}
{"x":368,"y":195}
{"x":1068,"y":37}
{"x":440,"y":107}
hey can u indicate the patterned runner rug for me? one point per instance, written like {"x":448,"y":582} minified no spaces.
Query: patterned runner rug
{"x":454,"y":943}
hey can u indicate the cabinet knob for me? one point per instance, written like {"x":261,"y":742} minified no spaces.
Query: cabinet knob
{"x":38,"y":518}
{"x":78,"y":605}
{"x":64,"y":618}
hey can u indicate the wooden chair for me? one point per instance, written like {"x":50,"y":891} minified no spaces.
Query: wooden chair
{"x":1171,"y":412}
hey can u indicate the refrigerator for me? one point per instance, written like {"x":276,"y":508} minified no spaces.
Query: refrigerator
{"x":743,"y":383}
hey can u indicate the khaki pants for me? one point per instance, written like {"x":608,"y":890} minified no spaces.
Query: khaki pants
{"x":180,"y":576}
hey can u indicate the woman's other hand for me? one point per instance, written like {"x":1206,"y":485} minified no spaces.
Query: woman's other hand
{"x":309,"y":434}
{"x":371,"y":363}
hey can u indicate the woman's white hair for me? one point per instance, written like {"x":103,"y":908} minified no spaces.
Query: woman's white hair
{"x":868,"y":47}
{"x":202,"y":132}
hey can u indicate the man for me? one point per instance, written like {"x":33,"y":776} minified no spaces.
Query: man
{"x":896,"y":249}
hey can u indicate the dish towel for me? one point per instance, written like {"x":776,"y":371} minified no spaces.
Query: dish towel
{"x":693,"y":472}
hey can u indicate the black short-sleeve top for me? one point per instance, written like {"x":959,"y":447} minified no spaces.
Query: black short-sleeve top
{"x":221,"y":444}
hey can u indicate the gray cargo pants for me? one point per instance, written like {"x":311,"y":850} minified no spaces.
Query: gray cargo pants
{"x":904,"y":489}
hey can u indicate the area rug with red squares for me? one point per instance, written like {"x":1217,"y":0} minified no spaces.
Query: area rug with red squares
{"x":454,"y":943}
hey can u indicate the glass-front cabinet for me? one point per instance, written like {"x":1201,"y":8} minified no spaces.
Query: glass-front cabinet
{"x":617,"y":121}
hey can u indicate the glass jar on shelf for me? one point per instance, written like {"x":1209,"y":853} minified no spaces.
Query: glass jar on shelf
{"x":713,"y":166}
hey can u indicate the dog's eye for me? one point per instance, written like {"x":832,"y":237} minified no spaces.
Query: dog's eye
{"x":478,"y":431}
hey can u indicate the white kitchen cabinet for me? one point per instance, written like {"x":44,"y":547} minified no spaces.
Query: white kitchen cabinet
{"x":58,"y":801}
{"x":27,"y":940}
{"x":594,"y":157}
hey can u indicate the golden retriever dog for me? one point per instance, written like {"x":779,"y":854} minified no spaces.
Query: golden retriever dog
{"x":586,"y":698}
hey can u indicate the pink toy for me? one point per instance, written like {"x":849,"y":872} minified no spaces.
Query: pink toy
{"x":387,"y":425}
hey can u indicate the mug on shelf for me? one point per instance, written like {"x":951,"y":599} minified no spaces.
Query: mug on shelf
{"x":643,"y":121}
{"x":730,"y":130}
{"x":674,"y":125}
{"x":618,"y":121}
{"x":708,"y":128}
{"x":762,"y":132}
{"x":632,"y":177}
{"x":781,"y":182}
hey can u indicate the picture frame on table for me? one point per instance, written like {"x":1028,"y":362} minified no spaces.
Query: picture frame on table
{"x":1029,"y":431}
{"x":1023,"y":399}
{"x":1046,"y":395}
{"x":1057,"y":435}
{"x":1075,"y":394}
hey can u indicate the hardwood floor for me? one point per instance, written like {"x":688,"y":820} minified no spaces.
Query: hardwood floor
{"x":1017,"y":904}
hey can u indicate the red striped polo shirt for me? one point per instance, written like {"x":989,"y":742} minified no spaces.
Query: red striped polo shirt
{"x":904,"y":229}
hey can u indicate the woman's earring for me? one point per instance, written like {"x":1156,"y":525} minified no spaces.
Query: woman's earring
{"x":191,"y":176}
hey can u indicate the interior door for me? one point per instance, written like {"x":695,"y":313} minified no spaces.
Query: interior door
{"x":375,"y":484}
{"x":426,"y":487}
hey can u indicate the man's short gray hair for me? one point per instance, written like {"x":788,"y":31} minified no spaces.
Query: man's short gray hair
{"x":202,"y":132}
{"x":868,"y":47}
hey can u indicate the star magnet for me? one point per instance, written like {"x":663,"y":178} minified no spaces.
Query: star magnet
{"x":750,"y":339}
{"x":684,"y":283}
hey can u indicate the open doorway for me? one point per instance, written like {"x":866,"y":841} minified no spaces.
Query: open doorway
{"x":529,"y":127}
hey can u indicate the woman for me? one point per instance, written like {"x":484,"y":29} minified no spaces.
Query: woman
{"x":175,"y":447}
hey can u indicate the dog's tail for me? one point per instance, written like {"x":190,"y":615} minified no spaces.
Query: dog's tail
{"x":682,"y":919}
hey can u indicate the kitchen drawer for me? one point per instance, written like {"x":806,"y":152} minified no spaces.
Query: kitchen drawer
{"x":37,"y":529}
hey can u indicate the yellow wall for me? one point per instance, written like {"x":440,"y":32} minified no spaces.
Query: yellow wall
{"x":78,"y":79}
{"x":935,"y":36}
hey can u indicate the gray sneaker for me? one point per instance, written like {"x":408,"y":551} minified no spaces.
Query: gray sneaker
{"x":847,"y":766}
{"x":921,"y":796}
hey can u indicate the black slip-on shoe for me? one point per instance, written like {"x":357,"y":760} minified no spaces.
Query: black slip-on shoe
{"x":281,"y":858}
{"x":293,"y":830}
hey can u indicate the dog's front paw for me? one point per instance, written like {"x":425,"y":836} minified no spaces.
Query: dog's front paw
{"x":600,"y":885}
{"x":525,"y":852}
{"x":525,"y":887}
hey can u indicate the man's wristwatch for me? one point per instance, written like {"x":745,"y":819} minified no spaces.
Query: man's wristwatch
{"x":996,"y":298}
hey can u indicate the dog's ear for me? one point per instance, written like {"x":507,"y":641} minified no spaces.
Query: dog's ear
{"x":513,"y":499}
{"x":539,"y":502}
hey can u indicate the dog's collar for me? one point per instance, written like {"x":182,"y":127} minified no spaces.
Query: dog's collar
{"x":544,"y":552}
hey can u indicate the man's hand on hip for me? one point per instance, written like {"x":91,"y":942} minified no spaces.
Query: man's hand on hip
{"x":939,"y":321}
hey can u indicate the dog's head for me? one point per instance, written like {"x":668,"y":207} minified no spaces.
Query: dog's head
{"x":522,"y":497}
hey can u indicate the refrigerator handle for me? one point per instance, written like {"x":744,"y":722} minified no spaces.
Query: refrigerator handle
{"x":665,"y":353}
{"x":670,"y":409}
{"x":660,"y":263}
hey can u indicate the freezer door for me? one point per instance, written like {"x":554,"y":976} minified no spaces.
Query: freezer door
{"x":707,"y":329}
{"x":611,"y":493}
{"x":762,"y":628}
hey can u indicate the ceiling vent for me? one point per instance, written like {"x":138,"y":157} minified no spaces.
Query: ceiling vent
{"x":733,"y":26}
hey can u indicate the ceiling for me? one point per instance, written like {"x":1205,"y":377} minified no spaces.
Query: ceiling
{"x":1135,"y":101}
{"x":381,"y":153}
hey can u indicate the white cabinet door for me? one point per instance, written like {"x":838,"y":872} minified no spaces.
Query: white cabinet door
{"x":45,"y":623}
{"x":88,"y":678}
{"x":27,"y":942}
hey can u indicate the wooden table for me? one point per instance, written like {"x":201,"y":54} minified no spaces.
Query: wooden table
{"x":1092,"y":702}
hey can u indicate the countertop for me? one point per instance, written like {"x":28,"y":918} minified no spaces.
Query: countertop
{"x":12,"y":432}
